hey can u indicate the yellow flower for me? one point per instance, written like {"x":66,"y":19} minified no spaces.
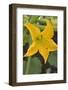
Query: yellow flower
{"x":41,"y":41}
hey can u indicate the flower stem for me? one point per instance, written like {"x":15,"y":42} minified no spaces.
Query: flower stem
{"x":27,"y":66}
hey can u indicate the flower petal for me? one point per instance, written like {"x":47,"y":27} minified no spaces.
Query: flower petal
{"x":44,"y":52}
{"x":48,"y":31}
{"x":32,"y":50}
{"x":52,"y":46}
{"x":34,"y":30}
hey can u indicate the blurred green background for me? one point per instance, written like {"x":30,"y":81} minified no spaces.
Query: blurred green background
{"x":35,"y":64}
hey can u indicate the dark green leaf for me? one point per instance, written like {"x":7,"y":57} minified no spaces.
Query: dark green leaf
{"x":52,"y":59}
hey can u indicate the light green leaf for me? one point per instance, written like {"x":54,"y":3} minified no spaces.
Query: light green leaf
{"x":34,"y":19}
{"x":35,"y":66}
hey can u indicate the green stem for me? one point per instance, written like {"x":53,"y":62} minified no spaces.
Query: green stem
{"x":27,"y":66}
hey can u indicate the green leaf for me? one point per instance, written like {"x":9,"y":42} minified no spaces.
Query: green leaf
{"x":54,"y":21}
{"x":26,"y":37}
{"x":26,"y":19}
{"x":34,"y":19}
{"x":52,"y":59}
{"x":35,"y":66}
{"x":42,"y":21}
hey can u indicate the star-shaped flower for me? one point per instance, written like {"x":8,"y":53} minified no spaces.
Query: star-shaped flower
{"x":41,"y":41}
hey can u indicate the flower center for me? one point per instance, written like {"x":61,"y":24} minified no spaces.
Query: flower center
{"x":39,"y":39}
